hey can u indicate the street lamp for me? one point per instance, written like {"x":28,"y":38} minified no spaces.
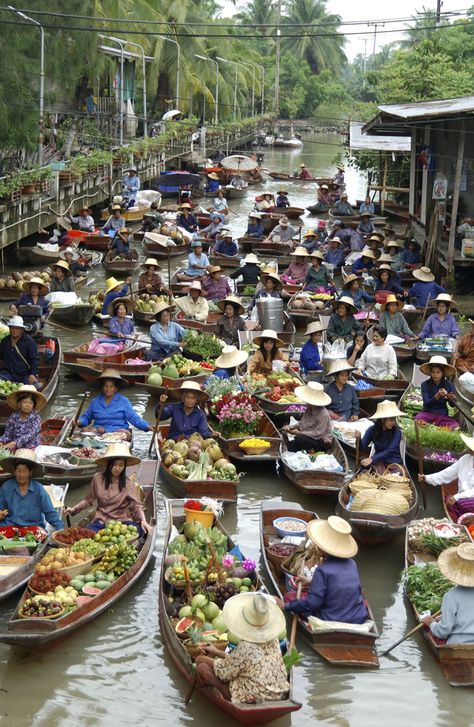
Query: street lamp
{"x":211,"y":60}
{"x":235,"y":63}
{"x":163,"y":37}
{"x":41,"y":89}
{"x":121,"y":43}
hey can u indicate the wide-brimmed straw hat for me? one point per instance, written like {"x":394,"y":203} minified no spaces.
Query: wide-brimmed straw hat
{"x":230,"y":357}
{"x":438,"y":361}
{"x":267,"y":333}
{"x":234,"y":301}
{"x":457,"y":564}
{"x":161,"y":306}
{"x":367,"y":252}
{"x":251,"y":258}
{"x":333,"y":536}
{"x":253,"y":617}
{"x":225,"y":232}
{"x":186,"y":387}
{"x":313,"y":394}
{"x":317,"y":254}
{"x":384,"y":268}
{"x":375,"y":237}
{"x":310,"y":233}
{"x":151,"y":261}
{"x":213,"y":175}
{"x":16,"y":322}
{"x":347,"y":301}
{"x":384,"y":258}
{"x":22,"y":456}
{"x":111,"y":375}
{"x":274,"y":277}
{"x":300,"y":251}
{"x":423,"y":274}
{"x":70,"y":251}
{"x":391,"y":299}
{"x":394,"y":243}
{"x":127,"y":302}
{"x":338,"y":365}
{"x":444,"y":298}
{"x":365,"y":214}
{"x":215,"y":269}
{"x":185,"y":206}
{"x":255,"y":216}
{"x":112,"y":283}
{"x":39,"y":398}
{"x":116,"y":207}
{"x":282,"y":191}
{"x":336,"y":239}
{"x":36,"y":281}
{"x":119,"y":450}
{"x":314,"y":327}
{"x":350,"y":279}
{"x":468,"y":441}
{"x":64,"y":266}
{"x":386,"y":410}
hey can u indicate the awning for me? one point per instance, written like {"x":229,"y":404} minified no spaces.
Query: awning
{"x":358,"y":140}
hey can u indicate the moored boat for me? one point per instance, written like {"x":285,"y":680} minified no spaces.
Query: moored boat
{"x":39,"y":256}
{"x":249,"y":244}
{"x":96,"y":241}
{"x":290,"y":177}
{"x":265,"y":430}
{"x":319,"y":481}
{"x":225,"y":261}
{"x":293,"y":213}
{"x":209,"y":326}
{"x":159,"y":251}
{"x":318,"y":209}
{"x":117,"y":265}
{"x":81,"y":352}
{"x":90,"y":369}
{"x":77,"y":314}
{"x":392,"y":387}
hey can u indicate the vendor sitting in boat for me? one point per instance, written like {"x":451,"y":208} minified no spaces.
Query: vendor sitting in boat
{"x":249,"y":272}
{"x":228,"y":362}
{"x":272,"y":287}
{"x":456,"y":624}
{"x":35,"y":290}
{"x":213,"y":183}
{"x":115,"y":494}
{"x":342,"y":208}
{"x":465,"y":352}
{"x":198,"y":264}
{"x":379,"y":360}
{"x":297,"y":271}
{"x":78,"y":265}
{"x":111,"y":411}
{"x":23,"y":500}
{"x":335,"y":591}
{"x":114,"y":289}
{"x":282,"y":200}
{"x":353,"y":286}
{"x":268,"y":351}
{"x":344,"y":404}
{"x":165,"y":334}
{"x":385,"y":436}
{"x":121,"y":245}
{"x":335,"y":252}
{"x":121,"y":322}
{"x":367,"y":207}
{"x":19,"y":355}
{"x":226,"y":245}
{"x":424,"y":288}
{"x":215,"y":227}
{"x":266,"y":203}
{"x":151,"y":281}
{"x":310,"y":359}
{"x":63,"y":279}
{"x":283,"y":232}
{"x":441,"y":323}
{"x":411,"y":256}
{"x":365,"y":226}
{"x":462,"y":503}
{"x":186,"y":416}
{"x":115,"y":222}
{"x":394,"y":249}
{"x":387,"y":282}
{"x":23,"y":428}
{"x":230,"y":323}
{"x":313,"y":432}
{"x":342,"y":323}
{"x":393,"y":320}
{"x":437,"y":391}
{"x":84,"y":220}
{"x":304,"y":172}
{"x":194,"y":305}
{"x":318,"y":274}
{"x":186,"y":219}
{"x":254,"y":672}
{"x":216,"y":286}
{"x":324,"y":198}
{"x":220,"y":202}
{"x":365,"y":263}
{"x":310,"y":241}
{"x":255,"y":227}
{"x":152,"y":219}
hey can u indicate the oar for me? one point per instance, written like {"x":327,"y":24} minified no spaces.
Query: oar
{"x":420,"y":463}
{"x":192,"y":687}
{"x":407,"y":635}
{"x":155,"y":429}
{"x":357,"y":452}
{"x":461,"y":411}
{"x":78,"y":412}
{"x":294,"y":621}
{"x":58,"y":325}
{"x":425,"y":309}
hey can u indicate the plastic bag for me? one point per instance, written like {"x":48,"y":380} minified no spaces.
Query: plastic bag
{"x":335,"y":350}
{"x":467,"y":380}
{"x":278,"y":366}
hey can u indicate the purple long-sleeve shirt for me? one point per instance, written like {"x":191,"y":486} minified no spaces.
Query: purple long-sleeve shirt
{"x":186,"y":424}
{"x":25,"y":432}
{"x":434,"y":326}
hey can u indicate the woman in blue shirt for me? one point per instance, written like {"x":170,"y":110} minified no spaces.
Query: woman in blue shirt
{"x":255,"y":227}
{"x":213,"y":183}
{"x":165,"y":334}
{"x":23,"y":500}
{"x":310,"y":359}
{"x":111,"y":411}
{"x":437,"y":391}
{"x":121,"y":242}
{"x":424,"y":287}
{"x":114,"y":289}
{"x":186,"y":417}
{"x":35,"y":290}
{"x":121,"y":324}
{"x":335,"y":253}
{"x":367,"y":207}
{"x":411,"y":257}
{"x":353,"y":287}
{"x":385,"y":435}
{"x":344,"y":402}
{"x":365,"y":263}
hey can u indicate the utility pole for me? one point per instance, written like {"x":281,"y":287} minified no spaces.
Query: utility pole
{"x":439,"y":5}
{"x":277,"y":61}
{"x":364,"y":67}
{"x":375,"y":39}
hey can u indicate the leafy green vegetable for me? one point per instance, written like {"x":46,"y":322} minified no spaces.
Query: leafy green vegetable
{"x":432,"y":437}
{"x":434,"y":544}
{"x":425,"y":586}
{"x":203,"y":344}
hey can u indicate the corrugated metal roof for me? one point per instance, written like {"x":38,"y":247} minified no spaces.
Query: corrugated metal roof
{"x":428,"y":109}
{"x":359,"y":140}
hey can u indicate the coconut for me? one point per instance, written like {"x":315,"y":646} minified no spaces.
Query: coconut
{"x":182,"y":448}
{"x":194,"y":453}
{"x":169,"y":444}
{"x":196,"y":438}
{"x":19,"y":285}
{"x":16,"y":277}
{"x":220,"y":463}
{"x":208,"y":442}
{"x":10,"y":283}
{"x":297,"y":304}
{"x":45,"y":277}
{"x":215,"y":452}
{"x":27,"y":276}
{"x":2,"y":283}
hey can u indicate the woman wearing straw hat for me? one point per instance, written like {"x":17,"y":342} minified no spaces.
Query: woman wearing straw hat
{"x":272,"y":287}
{"x":255,"y":227}
{"x":462,"y":503}
{"x":268,"y":351}
{"x":194,"y":305}
{"x":310,"y":241}
{"x":385,"y":436}
{"x":84,"y":220}
{"x":437,"y":391}
{"x":379,"y":360}
{"x":335,"y":252}
{"x":342,"y":323}
{"x":456,"y":625}
{"x":230,"y":323}
{"x":229,"y":361}
{"x":115,"y":222}
{"x":335,"y":591}
{"x":338,"y":178}
{"x":386,"y":283}
{"x":394,"y":249}
{"x":186,"y":416}
{"x":411,"y":256}
{"x":78,"y":265}
{"x":393,"y":320}
{"x":35,"y":290}
{"x":265,"y":202}
{"x":441,"y":323}
{"x":249,"y":272}
{"x":313,"y":432}
{"x":220,"y":202}
{"x":122,"y":242}
{"x":23,"y":428}
{"x":365,"y":226}
{"x":114,"y":289}
{"x":216,"y":286}
{"x":282,"y":200}
{"x":215,"y":227}
{"x":254,"y":671}
{"x":186,"y":219}
{"x":165,"y":334}
{"x":344,"y":404}
{"x":121,"y":323}
{"x":310,"y":359}
{"x":198,"y":264}
{"x":352,"y":285}
{"x":24,"y":501}
{"x":365,"y":263}
{"x":114,"y":493}
{"x":62,"y":280}
{"x":318,"y":275}
{"x":150,"y":281}
{"x":424,"y":287}
{"x":111,"y":411}
{"x":297,"y":270}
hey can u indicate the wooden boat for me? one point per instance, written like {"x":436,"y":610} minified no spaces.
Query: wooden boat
{"x":466,"y":397}
{"x":265,"y":430}
{"x":393,"y":210}
{"x":251,"y":244}
{"x":146,"y":318}
{"x":421,"y":356}
{"x":374,"y":528}
{"x":162,"y":252}
{"x":9,"y":293}
{"x":78,"y":314}
{"x":223,"y":490}
{"x":15,"y":570}
{"x":225,"y":261}
{"x":247,"y":714}
{"x":208,"y":327}
{"x":291,"y":212}
{"x":369,"y":398}
{"x":393,"y":387}
{"x":353,"y":220}
{"x":286,"y":335}
{"x":302,"y":316}
{"x":36,"y":633}
{"x":316,"y":209}
{"x":38,"y":256}
{"x":231,"y":192}
{"x":81,"y":352}
{"x":178,"y":287}
{"x":90,"y":369}
{"x":96,"y":241}
{"x":133,"y":214}
{"x":319,"y":482}
{"x":338,"y":647}
{"x":289,"y":177}
{"x":455,"y":661}
{"x":120,"y":267}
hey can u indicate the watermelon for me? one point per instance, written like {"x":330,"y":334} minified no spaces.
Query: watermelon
{"x":183,"y":625}
{"x":91,"y":590}
{"x":83,"y":600}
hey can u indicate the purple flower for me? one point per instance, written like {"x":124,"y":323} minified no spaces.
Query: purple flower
{"x":249,"y":564}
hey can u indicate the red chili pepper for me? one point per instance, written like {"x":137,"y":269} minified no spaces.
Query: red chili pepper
{"x":193,"y":505}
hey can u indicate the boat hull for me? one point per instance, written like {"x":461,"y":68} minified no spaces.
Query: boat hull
{"x":73,"y":315}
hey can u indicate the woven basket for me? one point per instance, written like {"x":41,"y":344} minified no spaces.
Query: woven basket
{"x":389,"y":478}
{"x":365,"y":481}
{"x":195,"y":649}
{"x":380,"y":501}
{"x":79,"y":569}
{"x":277,"y":560}
{"x":41,"y":618}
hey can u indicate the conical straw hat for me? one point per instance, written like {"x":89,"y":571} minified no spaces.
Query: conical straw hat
{"x":333,"y":536}
{"x":386,"y":410}
{"x":457,"y":564}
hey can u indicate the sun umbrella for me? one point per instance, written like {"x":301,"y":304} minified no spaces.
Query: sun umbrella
{"x":171,"y":114}
{"x":239,"y":163}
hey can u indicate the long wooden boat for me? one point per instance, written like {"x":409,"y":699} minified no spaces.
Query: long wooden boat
{"x":208,"y":327}
{"x":338,"y":647}
{"x":319,"y":482}
{"x":231,"y":192}
{"x":265,"y":430}
{"x":223,"y":490}
{"x":456,"y":661}
{"x":392,"y":209}
{"x":162,"y":252}
{"x":290,"y":177}
{"x":316,"y":209}
{"x":81,"y":352}
{"x":133,"y":214}
{"x":390,"y":386}
{"x":291,"y":212}
{"x":36,"y":633}
{"x":423,"y":355}
{"x":247,"y":714}
{"x":146,"y":318}
{"x":96,"y":241}
{"x":78,"y":314}
{"x":9,"y":293}
{"x":302,"y":316}
{"x":225,"y":261}
{"x":374,"y":528}
{"x":38,"y":256}
{"x":120,"y":267}
{"x":90,"y":369}
{"x":353,"y":220}
{"x":249,"y":244}
{"x":15,"y":570}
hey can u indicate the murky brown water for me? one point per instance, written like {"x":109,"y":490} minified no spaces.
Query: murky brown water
{"x":115,"y":671}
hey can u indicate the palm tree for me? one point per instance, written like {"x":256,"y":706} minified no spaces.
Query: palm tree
{"x":323,"y":52}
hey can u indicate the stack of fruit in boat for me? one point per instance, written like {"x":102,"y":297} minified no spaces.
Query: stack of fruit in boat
{"x":173,"y":371}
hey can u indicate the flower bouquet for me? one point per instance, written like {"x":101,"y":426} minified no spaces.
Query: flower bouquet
{"x":236,"y":415}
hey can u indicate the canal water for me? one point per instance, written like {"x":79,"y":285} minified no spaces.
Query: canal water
{"x":115,"y":671}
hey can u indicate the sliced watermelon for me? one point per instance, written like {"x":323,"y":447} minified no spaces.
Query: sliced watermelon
{"x":83,"y":600}
{"x":183,"y":625}
{"x":91,"y":590}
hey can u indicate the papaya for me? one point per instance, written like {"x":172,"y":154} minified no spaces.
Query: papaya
{"x":170,"y":371}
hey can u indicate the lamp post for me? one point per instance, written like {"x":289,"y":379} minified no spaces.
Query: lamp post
{"x":163,"y":37}
{"x":235,"y":63}
{"x":41,"y":88}
{"x":216,"y":105}
{"x":121,"y":43}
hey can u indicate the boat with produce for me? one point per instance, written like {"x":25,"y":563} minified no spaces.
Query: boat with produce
{"x":119,"y":264}
{"x":425,"y":587}
{"x":144,"y":310}
{"x":378,"y":507}
{"x":434,"y":346}
{"x":259,"y":247}
{"x":182,"y":611}
{"x":132,"y":370}
{"x":341,"y":647}
{"x":77,"y":314}
{"x":201,"y":346}
{"x":209,"y":326}
{"x":173,"y":372}
{"x":81,"y":351}
{"x":122,"y":564}
{"x":274,"y":392}
{"x":320,"y":480}
{"x":392,"y":387}
{"x":304,"y":307}
{"x":162,"y":251}
{"x":17,"y":567}
{"x":11,"y":285}
{"x":209,"y":477}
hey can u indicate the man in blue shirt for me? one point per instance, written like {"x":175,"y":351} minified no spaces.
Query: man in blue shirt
{"x":213,"y":183}
{"x":424,"y":288}
{"x":130,"y":187}
{"x":344,"y":402}
{"x":186,"y":417}
{"x":19,"y":354}
{"x":226,"y":245}
{"x":114,"y":289}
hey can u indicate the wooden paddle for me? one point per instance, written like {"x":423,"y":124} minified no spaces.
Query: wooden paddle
{"x":294,"y":621}
{"x":407,"y":635}
{"x":420,"y":463}
{"x":461,"y":411}
{"x":78,"y":412}
{"x":425,"y":309}
{"x":58,"y":325}
{"x":357,"y":452}
{"x":155,"y":429}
